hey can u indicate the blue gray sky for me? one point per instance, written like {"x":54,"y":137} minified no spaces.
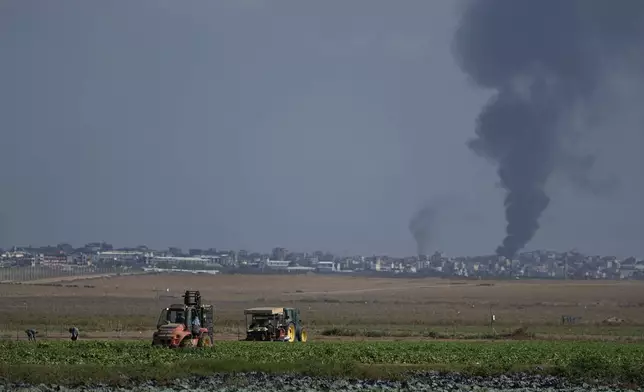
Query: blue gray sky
{"x":253,"y":124}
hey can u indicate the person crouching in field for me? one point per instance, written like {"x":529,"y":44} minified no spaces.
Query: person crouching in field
{"x":31,"y":334}
{"x":73,"y":332}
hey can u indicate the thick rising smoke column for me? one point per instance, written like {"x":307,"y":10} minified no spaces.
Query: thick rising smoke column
{"x":421,"y":226}
{"x":543,"y":58}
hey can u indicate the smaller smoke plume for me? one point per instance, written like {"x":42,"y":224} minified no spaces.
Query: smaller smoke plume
{"x":430,"y":222}
{"x":421,"y":226}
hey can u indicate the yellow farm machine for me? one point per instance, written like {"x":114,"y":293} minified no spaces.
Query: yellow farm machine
{"x":274,"y":324}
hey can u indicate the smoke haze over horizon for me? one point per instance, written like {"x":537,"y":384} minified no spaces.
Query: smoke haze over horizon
{"x":308,"y":125}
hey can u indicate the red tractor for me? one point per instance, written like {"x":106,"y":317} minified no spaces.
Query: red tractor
{"x":190,"y":324}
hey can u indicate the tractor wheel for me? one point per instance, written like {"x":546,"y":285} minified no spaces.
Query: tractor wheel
{"x":185,"y":343}
{"x":302,"y":335}
{"x":291,"y":332}
{"x":205,"y":341}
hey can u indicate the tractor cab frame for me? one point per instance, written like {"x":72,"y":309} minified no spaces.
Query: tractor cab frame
{"x":174,"y":325}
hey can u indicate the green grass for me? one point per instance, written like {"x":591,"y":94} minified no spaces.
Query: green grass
{"x":12,"y":322}
{"x":460,"y":334}
{"x":118,"y":362}
{"x":576,"y":332}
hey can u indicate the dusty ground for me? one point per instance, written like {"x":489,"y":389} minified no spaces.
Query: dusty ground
{"x":127,"y":305}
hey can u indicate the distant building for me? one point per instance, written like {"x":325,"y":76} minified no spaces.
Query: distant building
{"x":180,"y":260}
{"x":278,"y":254}
{"x":325,"y":266}
{"x":52,"y":259}
{"x":277,"y":264}
{"x":123,"y":256}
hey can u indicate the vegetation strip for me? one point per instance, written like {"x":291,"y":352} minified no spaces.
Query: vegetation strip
{"x":69,"y":362}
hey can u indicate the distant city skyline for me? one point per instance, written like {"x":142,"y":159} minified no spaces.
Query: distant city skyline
{"x":28,"y":264}
{"x":289,"y":251}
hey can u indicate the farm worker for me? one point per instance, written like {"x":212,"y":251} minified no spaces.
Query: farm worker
{"x":73,"y":331}
{"x":270,"y":329}
{"x":196,"y":324}
{"x":31,"y":334}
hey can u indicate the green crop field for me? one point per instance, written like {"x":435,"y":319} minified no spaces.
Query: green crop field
{"x":360,"y":327}
{"x":110,"y":361}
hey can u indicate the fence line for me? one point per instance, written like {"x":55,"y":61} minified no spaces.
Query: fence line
{"x":25,"y":274}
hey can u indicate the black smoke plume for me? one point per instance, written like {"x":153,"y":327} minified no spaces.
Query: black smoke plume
{"x":543,"y":59}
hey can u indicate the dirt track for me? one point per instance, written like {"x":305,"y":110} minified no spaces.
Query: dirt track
{"x":313,"y":338}
{"x":147,"y":335}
